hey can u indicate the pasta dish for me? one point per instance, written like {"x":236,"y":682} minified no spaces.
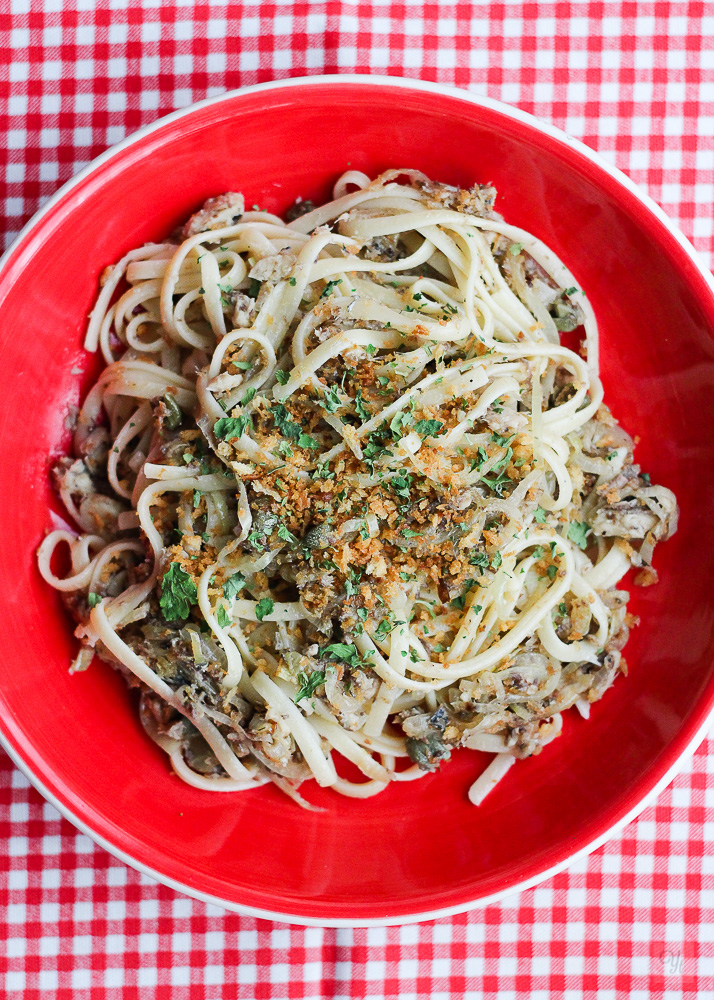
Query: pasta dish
{"x":347,"y":489}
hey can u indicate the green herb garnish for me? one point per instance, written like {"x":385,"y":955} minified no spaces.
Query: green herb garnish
{"x":286,"y":536}
{"x":362,"y":411}
{"x":233,"y":585}
{"x":232,"y":427}
{"x":264,"y":607}
{"x":329,"y":286}
{"x":399,"y":421}
{"x":306,"y":441}
{"x":331,"y":400}
{"x":178,"y":593}
{"x":428,"y":428}
{"x":322,"y":472}
{"x":282,"y":418}
{"x":222,"y":617}
{"x":345,"y":652}
{"x":578,"y":532}
{"x":309,"y":684}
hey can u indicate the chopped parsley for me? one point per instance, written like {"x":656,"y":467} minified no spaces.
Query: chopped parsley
{"x":428,"y":428}
{"x":503,"y":461}
{"x":497,"y":483}
{"x":331,"y":400}
{"x":222,"y":617}
{"x":578,"y":532}
{"x":362,"y":411}
{"x":305,"y":441}
{"x":322,"y":472}
{"x":346,"y":652}
{"x":384,"y":628}
{"x":233,"y":585}
{"x":281,"y":376}
{"x":480,"y":559}
{"x":460,"y":601}
{"x":540,"y":515}
{"x":264,"y":607}
{"x":286,"y":536}
{"x":232,"y":427}
{"x":401,"y":485}
{"x":499,"y":480}
{"x":329,"y":287}
{"x":309,"y":684}
{"x":178,"y":593}
{"x":400,"y":420}
{"x":373,"y":448}
{"x":263,"y":526}
{"x":93,"y":599}
{"x":282,"y":418}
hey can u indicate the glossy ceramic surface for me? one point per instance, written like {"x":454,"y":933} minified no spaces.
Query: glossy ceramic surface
{"x":419,"y":848}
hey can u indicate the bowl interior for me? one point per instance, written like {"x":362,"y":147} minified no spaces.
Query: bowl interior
{"x":420,"y":846}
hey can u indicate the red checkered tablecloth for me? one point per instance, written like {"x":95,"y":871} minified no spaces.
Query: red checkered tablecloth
{"x":636,"y":82}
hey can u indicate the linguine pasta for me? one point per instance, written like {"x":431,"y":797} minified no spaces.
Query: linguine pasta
{"x":343,"y":489}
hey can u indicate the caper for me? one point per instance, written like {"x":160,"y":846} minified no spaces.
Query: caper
{"x":174,"y":414}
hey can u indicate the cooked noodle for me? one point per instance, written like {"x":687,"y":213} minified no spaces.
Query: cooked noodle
{"x":341,"y":489}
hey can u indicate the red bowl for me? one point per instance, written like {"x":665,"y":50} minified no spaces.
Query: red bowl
{"x":419,"y":849}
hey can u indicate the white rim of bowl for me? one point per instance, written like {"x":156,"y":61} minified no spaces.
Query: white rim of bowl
{"x":624,"y":181}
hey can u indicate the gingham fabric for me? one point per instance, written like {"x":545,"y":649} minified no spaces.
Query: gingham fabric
{"x":636,"y":82}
